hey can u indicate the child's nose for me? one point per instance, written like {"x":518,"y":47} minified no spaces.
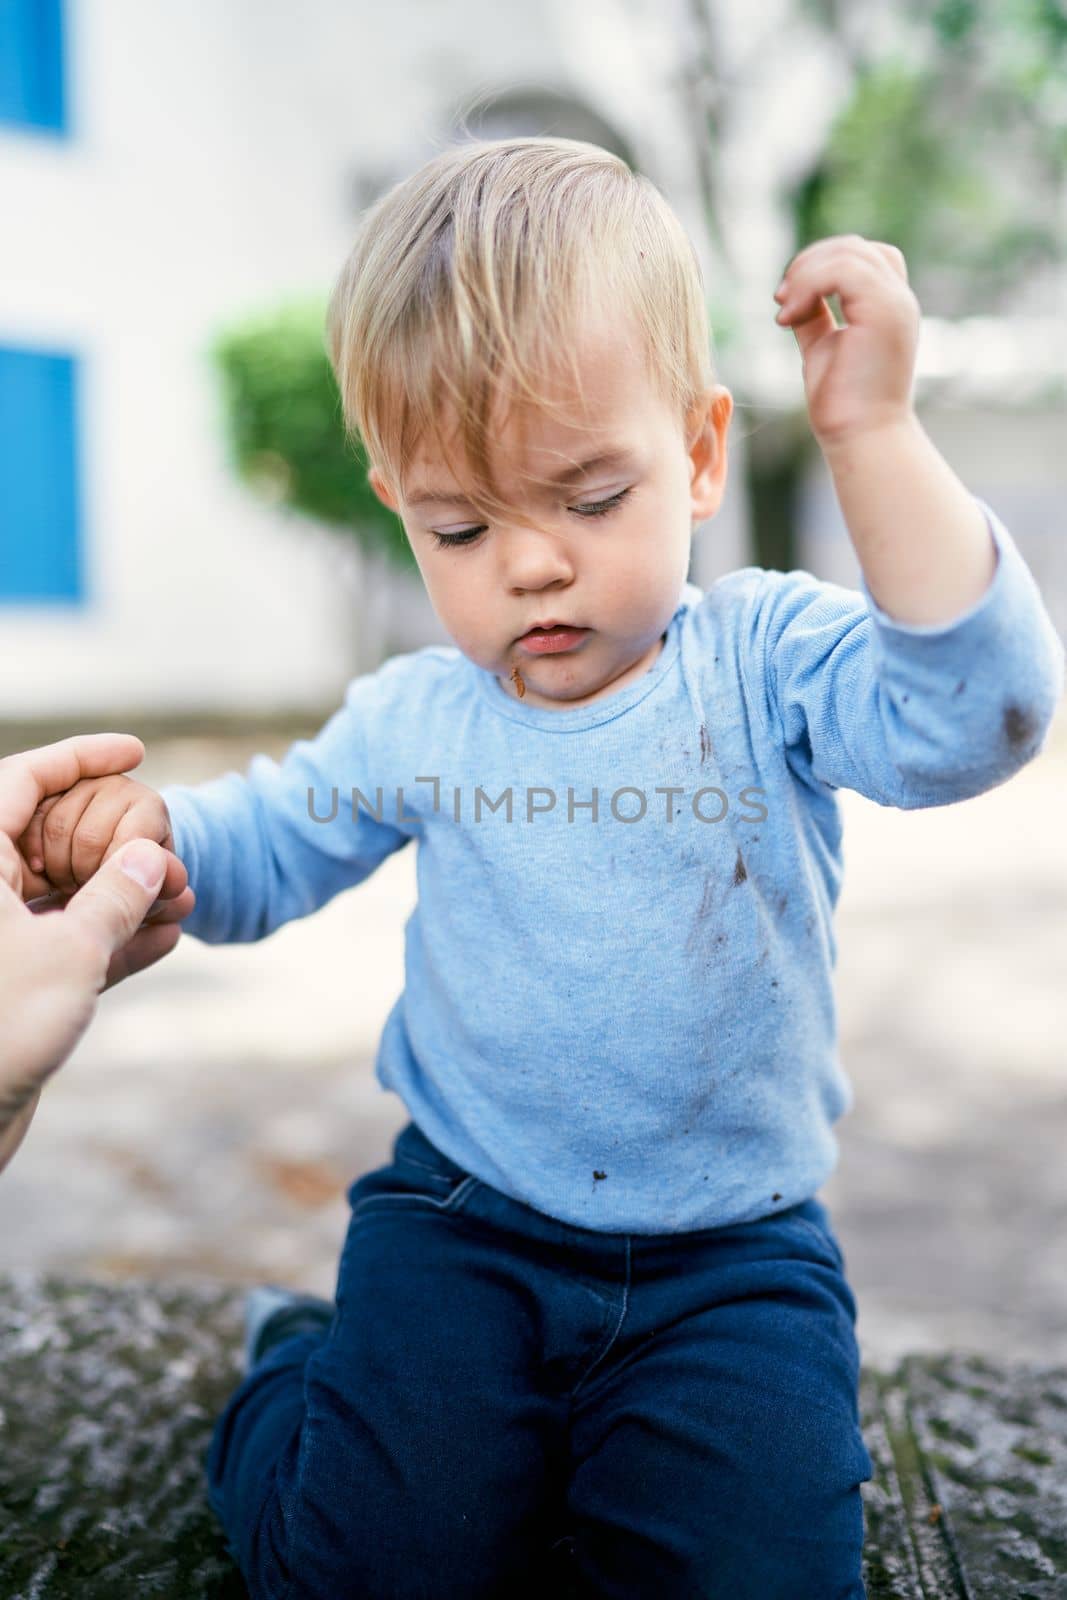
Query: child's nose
{"x":535,"y":556}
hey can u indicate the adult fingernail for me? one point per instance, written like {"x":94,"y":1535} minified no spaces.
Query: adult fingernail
{"x":142,"y":863}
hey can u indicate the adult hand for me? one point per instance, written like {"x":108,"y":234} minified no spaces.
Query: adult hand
{"x":56,"y":962}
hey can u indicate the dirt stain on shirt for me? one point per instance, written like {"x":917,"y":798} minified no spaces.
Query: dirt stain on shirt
{"x":1019,"y":726}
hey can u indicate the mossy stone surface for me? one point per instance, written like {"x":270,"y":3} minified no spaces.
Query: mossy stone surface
{"x":109,"y":1392}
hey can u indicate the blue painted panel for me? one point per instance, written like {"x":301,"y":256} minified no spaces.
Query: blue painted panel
{"x":40,"y":543}
{"x":32,"y":88}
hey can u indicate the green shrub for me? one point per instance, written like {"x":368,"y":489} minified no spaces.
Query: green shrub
{"x":282,"y":413}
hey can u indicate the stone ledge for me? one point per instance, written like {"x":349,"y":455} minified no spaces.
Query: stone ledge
{"x":108,"y":1395}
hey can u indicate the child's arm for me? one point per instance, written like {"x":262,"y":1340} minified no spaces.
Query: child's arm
{"x":909,"y":715}
{"x":256,"y":850}
{"x":258,"y":847}
{"x":947,"y":683}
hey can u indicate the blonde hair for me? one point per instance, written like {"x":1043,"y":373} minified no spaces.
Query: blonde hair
{"x":472,"y":278}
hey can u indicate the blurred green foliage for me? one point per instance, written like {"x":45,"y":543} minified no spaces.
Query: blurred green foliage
{"x":952,"y":146}
{"x":724,"y":319}
{"x":282,"y":414}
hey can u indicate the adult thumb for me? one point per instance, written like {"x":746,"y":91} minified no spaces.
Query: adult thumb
{"x":119,"y":895}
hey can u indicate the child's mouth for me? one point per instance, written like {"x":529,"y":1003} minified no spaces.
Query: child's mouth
{"x":546,"y":641}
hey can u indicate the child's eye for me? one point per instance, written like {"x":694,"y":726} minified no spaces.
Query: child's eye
{"x":593,"y":508}
{"x":600,"y":508}
{"x":466,"y":536}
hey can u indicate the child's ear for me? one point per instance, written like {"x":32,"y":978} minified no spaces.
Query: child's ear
{"x":382,"y":490}
{"x":707,"y":426}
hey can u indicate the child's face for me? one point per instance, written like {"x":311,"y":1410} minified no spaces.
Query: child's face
{"x":609,"y":551}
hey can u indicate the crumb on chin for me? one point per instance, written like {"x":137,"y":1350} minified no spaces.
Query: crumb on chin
{"x":516,"y":678}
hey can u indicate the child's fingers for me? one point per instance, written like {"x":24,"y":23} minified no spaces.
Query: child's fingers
{"x":895,"y":258}
{"x":869,"y":279}
{"x":864,"y":287}
{"x":96,"y":829}
{"x":31,"y":841}
{"x":61,"y":822}
{"x":811,"y":326}
{"x":844,"y":246}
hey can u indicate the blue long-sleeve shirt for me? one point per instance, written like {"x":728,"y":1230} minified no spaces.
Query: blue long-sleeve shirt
{"x":618,"y":1002}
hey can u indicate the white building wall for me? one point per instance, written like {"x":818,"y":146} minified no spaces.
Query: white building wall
{"x":134,"y":240}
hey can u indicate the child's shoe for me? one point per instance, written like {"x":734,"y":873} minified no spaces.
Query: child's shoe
{"x":273,"y":1313}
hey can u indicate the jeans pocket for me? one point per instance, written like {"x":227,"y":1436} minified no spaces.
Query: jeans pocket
{"x":419,"y":1177}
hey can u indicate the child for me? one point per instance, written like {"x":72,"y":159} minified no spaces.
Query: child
{"x":592,"y":1324}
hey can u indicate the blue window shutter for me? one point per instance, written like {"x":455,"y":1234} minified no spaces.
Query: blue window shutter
{"x":40,"y":554}
{"x":32,"y":89}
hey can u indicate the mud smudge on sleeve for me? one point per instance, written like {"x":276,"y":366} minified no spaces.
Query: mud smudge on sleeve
{"x":1019,"y":726}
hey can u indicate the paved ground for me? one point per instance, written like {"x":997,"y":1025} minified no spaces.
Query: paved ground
{"x":209,"y":1123}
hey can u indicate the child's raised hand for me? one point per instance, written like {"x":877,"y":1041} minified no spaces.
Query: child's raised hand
{"x":857,"y":377}
{"x":71,"y":834}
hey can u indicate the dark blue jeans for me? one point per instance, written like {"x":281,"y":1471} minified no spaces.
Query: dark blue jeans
{"x":507,"y":1405}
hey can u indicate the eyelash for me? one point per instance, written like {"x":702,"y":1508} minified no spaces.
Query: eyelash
{"x":595,"y":508}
